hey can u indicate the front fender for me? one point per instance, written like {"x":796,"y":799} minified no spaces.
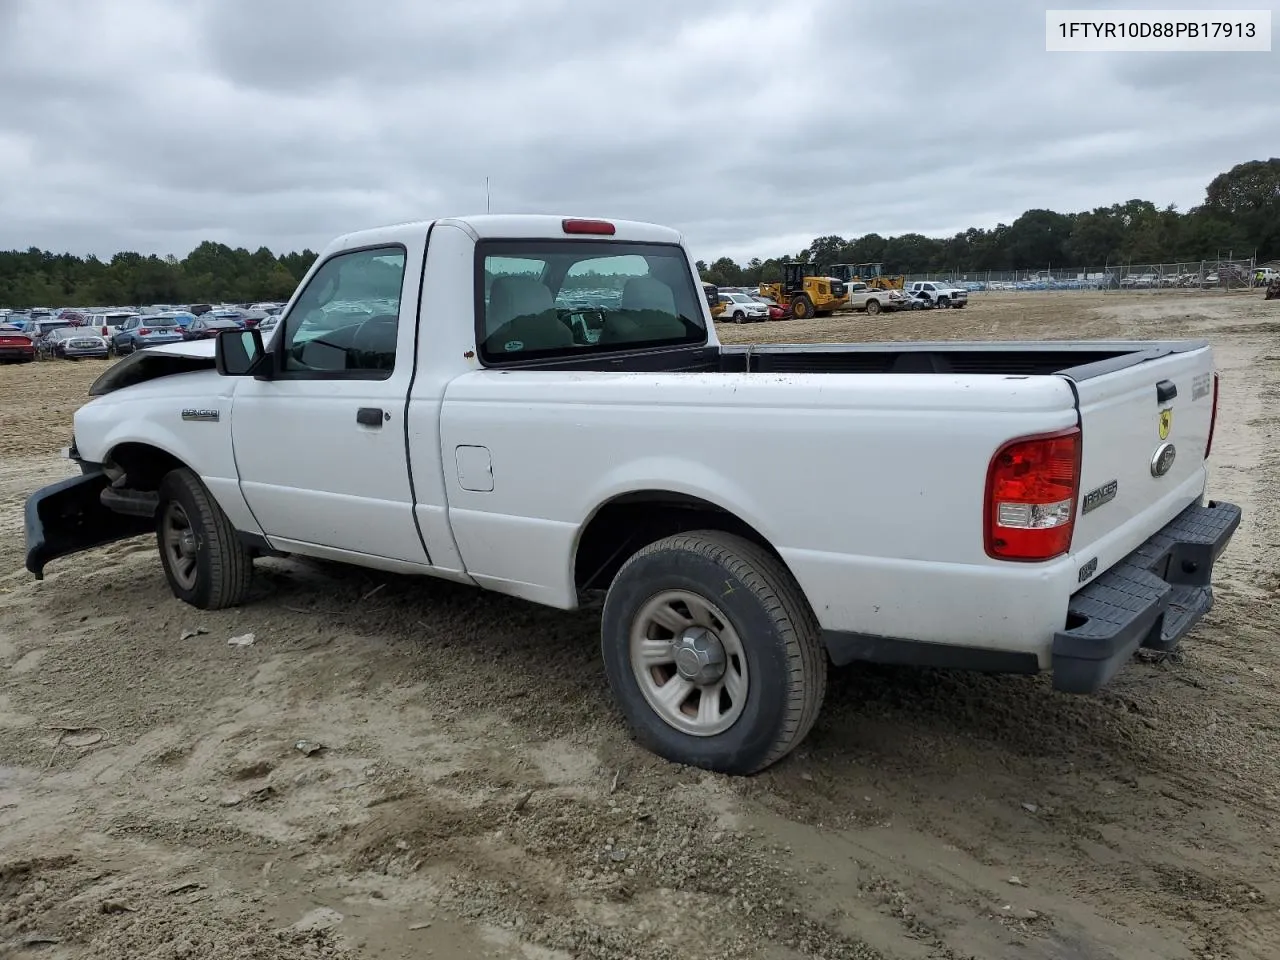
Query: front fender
{"x":157,"y":421}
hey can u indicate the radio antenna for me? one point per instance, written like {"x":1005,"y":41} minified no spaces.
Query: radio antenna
{"x":486,"y":194}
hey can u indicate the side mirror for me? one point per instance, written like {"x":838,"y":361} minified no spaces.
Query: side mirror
{"x":237,"y":353}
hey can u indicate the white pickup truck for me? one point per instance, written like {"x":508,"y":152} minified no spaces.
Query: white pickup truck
{"x":940,"y":294}
{"x":753,"y":513}
{"x":871,"y":300}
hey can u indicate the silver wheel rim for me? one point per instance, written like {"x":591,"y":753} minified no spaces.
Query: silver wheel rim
{"x":689,"y":663}
{"x":179,"y":544}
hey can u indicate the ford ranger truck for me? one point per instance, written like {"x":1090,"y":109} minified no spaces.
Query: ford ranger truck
{"x":539,"y":406}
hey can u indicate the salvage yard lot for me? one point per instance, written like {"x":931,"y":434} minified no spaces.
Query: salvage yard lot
{"x":474,"y":776}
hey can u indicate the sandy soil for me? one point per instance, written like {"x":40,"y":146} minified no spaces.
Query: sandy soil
{"x":476,"y":794}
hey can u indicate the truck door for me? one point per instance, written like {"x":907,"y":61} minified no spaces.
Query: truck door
{"x":320,"y":448}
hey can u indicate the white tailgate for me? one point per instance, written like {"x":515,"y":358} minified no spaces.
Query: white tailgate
{"x":1121,"y":417}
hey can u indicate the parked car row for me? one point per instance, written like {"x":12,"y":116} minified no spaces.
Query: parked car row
{"x":76,"y":334}
{"x":108,"y":319}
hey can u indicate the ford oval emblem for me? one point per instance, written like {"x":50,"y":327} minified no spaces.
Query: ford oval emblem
{"x":1162,"y":459}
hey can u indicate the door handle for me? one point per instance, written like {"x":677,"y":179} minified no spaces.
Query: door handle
{"x":371,"y":416}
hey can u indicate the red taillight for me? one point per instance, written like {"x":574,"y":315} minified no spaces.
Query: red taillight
{"x":602,"y":227}
{"x":144,"y":331}
{"x":1213,"y":417}
{"x":1030,"y":509}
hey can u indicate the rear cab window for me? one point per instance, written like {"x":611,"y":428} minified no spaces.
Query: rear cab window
{"x":549,"y":299}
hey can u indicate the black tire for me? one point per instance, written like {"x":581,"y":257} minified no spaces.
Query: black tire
{"x":802,"y":307}
{"x":785,"y":663}
{"x":873,"y":307}
{"x":223,"y":566}
{"x":960,"y":305}
{"x":944,"y":302}
{"x":739,"y":317}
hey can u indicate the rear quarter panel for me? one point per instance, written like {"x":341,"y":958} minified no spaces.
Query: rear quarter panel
{"x":870,"y":486}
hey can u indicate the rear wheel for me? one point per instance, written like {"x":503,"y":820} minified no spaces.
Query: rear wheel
{"x":712,"y":653}
{"x":802,"y":307}
{"x":204,"y":561}
{"x":739,"y":317}
{"x":873,"y":307}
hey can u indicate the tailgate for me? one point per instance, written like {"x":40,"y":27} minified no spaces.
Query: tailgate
{"x":1144,"y":429}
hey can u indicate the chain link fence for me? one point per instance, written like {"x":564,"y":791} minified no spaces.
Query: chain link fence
{"x":1220,"y":274}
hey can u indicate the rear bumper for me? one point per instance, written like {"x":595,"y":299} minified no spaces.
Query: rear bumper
{"x":1151,"y":598}
{"x":68,"y":517}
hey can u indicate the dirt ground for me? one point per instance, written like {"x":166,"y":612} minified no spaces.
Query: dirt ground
{"x":477,"y":796}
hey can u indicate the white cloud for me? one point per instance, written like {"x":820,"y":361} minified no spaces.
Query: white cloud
{"x":752,"y":126}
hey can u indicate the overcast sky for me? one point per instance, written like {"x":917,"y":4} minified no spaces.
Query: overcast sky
{"x":752,"y":125}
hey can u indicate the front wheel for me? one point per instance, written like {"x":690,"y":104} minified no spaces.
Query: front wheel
{"x":204,"y":561}
{"x":712,"y":653}
{"x":802,"y":307}
{"x":873,"y":307}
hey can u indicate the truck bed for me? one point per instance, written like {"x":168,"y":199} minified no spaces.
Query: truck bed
{"x":1078,"y":360}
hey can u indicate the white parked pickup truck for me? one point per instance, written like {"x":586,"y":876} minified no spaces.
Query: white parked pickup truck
{"x":429,"y":403}
{"x":940,"y":294}
{"x":873,"y":301}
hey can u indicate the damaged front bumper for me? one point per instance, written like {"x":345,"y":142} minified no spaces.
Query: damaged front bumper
{"x":69,"y":516}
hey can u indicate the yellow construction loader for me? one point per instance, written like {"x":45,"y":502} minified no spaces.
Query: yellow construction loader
{"x":807,"y":291}
{"x":872,"y":274}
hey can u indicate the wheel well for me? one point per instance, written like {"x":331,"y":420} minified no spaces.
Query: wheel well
{"x":625,"y":524}
{"x":143,"y":464}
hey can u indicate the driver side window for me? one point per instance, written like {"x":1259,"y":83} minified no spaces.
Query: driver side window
{"x":346,"y":321}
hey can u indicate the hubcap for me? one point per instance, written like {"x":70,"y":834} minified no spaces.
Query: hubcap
{"x":179,"y":544}
{"x":699,"y":656}
{"x":689,"y":663}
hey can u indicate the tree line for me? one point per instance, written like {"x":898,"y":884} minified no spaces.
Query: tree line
{"x":1240,"y":214}
{"x":212,"y":272}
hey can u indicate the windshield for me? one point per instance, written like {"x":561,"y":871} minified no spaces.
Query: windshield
{"x":561,"y":298}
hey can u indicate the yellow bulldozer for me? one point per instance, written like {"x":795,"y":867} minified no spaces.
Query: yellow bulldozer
{"x":807,"y":290}
{"x":872,"y":274}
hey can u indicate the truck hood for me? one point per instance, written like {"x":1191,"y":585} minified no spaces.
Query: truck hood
{"x":150,"y":363}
